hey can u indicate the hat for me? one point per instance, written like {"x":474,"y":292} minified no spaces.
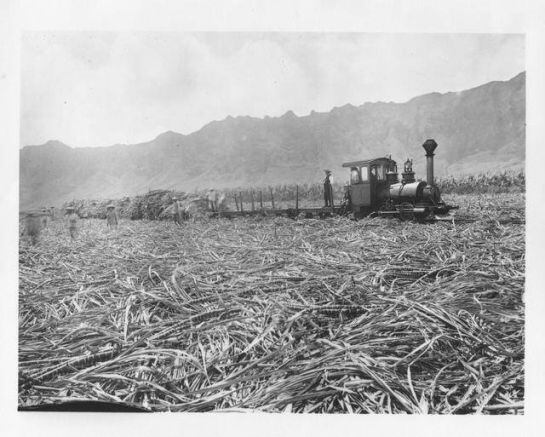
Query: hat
{"x":174,"y":198}
{"x":69,"y":208}
{"x":328,"y":171}
{"x":110,"y":206}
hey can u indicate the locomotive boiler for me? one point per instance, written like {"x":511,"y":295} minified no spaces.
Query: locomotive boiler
{"x":375,"y":187}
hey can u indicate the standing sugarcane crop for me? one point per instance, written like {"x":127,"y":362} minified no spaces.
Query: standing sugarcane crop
{"x":72,"y":222}
{"x":111,"y":216}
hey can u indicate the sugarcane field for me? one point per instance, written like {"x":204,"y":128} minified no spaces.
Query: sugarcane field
{"x":280,"y":227}
{"x":277,"y":314}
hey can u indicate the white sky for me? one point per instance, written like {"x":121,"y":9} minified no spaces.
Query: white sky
{"x":102,"y":88}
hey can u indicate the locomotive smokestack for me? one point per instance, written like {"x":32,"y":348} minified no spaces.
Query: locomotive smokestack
{"x":429,"y":147}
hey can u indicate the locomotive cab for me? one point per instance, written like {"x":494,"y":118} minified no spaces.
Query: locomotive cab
{"x":369,"y":182}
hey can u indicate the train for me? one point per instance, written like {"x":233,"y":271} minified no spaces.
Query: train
{"x":375,"y":188}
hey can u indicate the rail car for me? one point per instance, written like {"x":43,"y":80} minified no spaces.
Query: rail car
{"x":375,"y":188}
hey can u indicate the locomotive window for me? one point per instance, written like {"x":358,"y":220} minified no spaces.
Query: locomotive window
{"x":354,"y":176}
{"x":364,"y":174}
{"x":381,"y":173}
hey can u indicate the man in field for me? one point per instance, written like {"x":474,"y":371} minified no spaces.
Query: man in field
{"x":220,"y":202}
{"x":328,"y":189}
{"x":216,"y":200}
{"x":176,"y":211}
{"x":112,"y":218}
{"x":45,"y":215}
{"x":33,"y":227}
{"x":72,"y":221}
{"x":191,"y":210}
{"x":212,"y":199}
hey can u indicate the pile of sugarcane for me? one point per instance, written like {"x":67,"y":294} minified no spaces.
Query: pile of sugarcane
{"x":154,"y":205}
{"x":97,"y":208}
{"x":374,"y":316}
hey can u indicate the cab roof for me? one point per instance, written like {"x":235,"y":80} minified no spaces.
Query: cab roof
{"x":383,"y":160}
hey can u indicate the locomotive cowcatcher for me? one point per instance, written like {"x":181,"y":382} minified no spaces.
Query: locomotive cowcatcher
{"x":375,"y":188}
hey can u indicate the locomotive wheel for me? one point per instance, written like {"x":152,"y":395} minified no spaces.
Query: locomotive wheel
{"x":406,"y":212}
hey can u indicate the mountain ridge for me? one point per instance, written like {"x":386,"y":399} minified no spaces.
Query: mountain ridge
{"x":470,"y":125}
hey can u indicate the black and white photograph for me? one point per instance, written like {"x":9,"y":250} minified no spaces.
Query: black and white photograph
{"x":326,"y":222}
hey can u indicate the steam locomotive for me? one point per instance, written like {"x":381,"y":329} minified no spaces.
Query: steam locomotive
{"x":375,"y":188}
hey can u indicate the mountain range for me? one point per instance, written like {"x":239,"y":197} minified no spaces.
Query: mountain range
{"x":478,"y":130}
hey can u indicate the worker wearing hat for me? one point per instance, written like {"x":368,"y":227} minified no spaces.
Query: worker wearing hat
{"x":212,"y":198}
{"x":328,"y":189}
{"x":72,"y":221}
{"x":176,"y":211}
{"x":33,"y":226}
{"x":111,"y":216}
{"x":44,"y":216}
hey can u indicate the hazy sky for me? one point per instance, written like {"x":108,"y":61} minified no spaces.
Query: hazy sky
{"x":101,"y":88}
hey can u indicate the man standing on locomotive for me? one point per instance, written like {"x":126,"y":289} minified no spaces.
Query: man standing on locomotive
{"x":328,"y":189}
